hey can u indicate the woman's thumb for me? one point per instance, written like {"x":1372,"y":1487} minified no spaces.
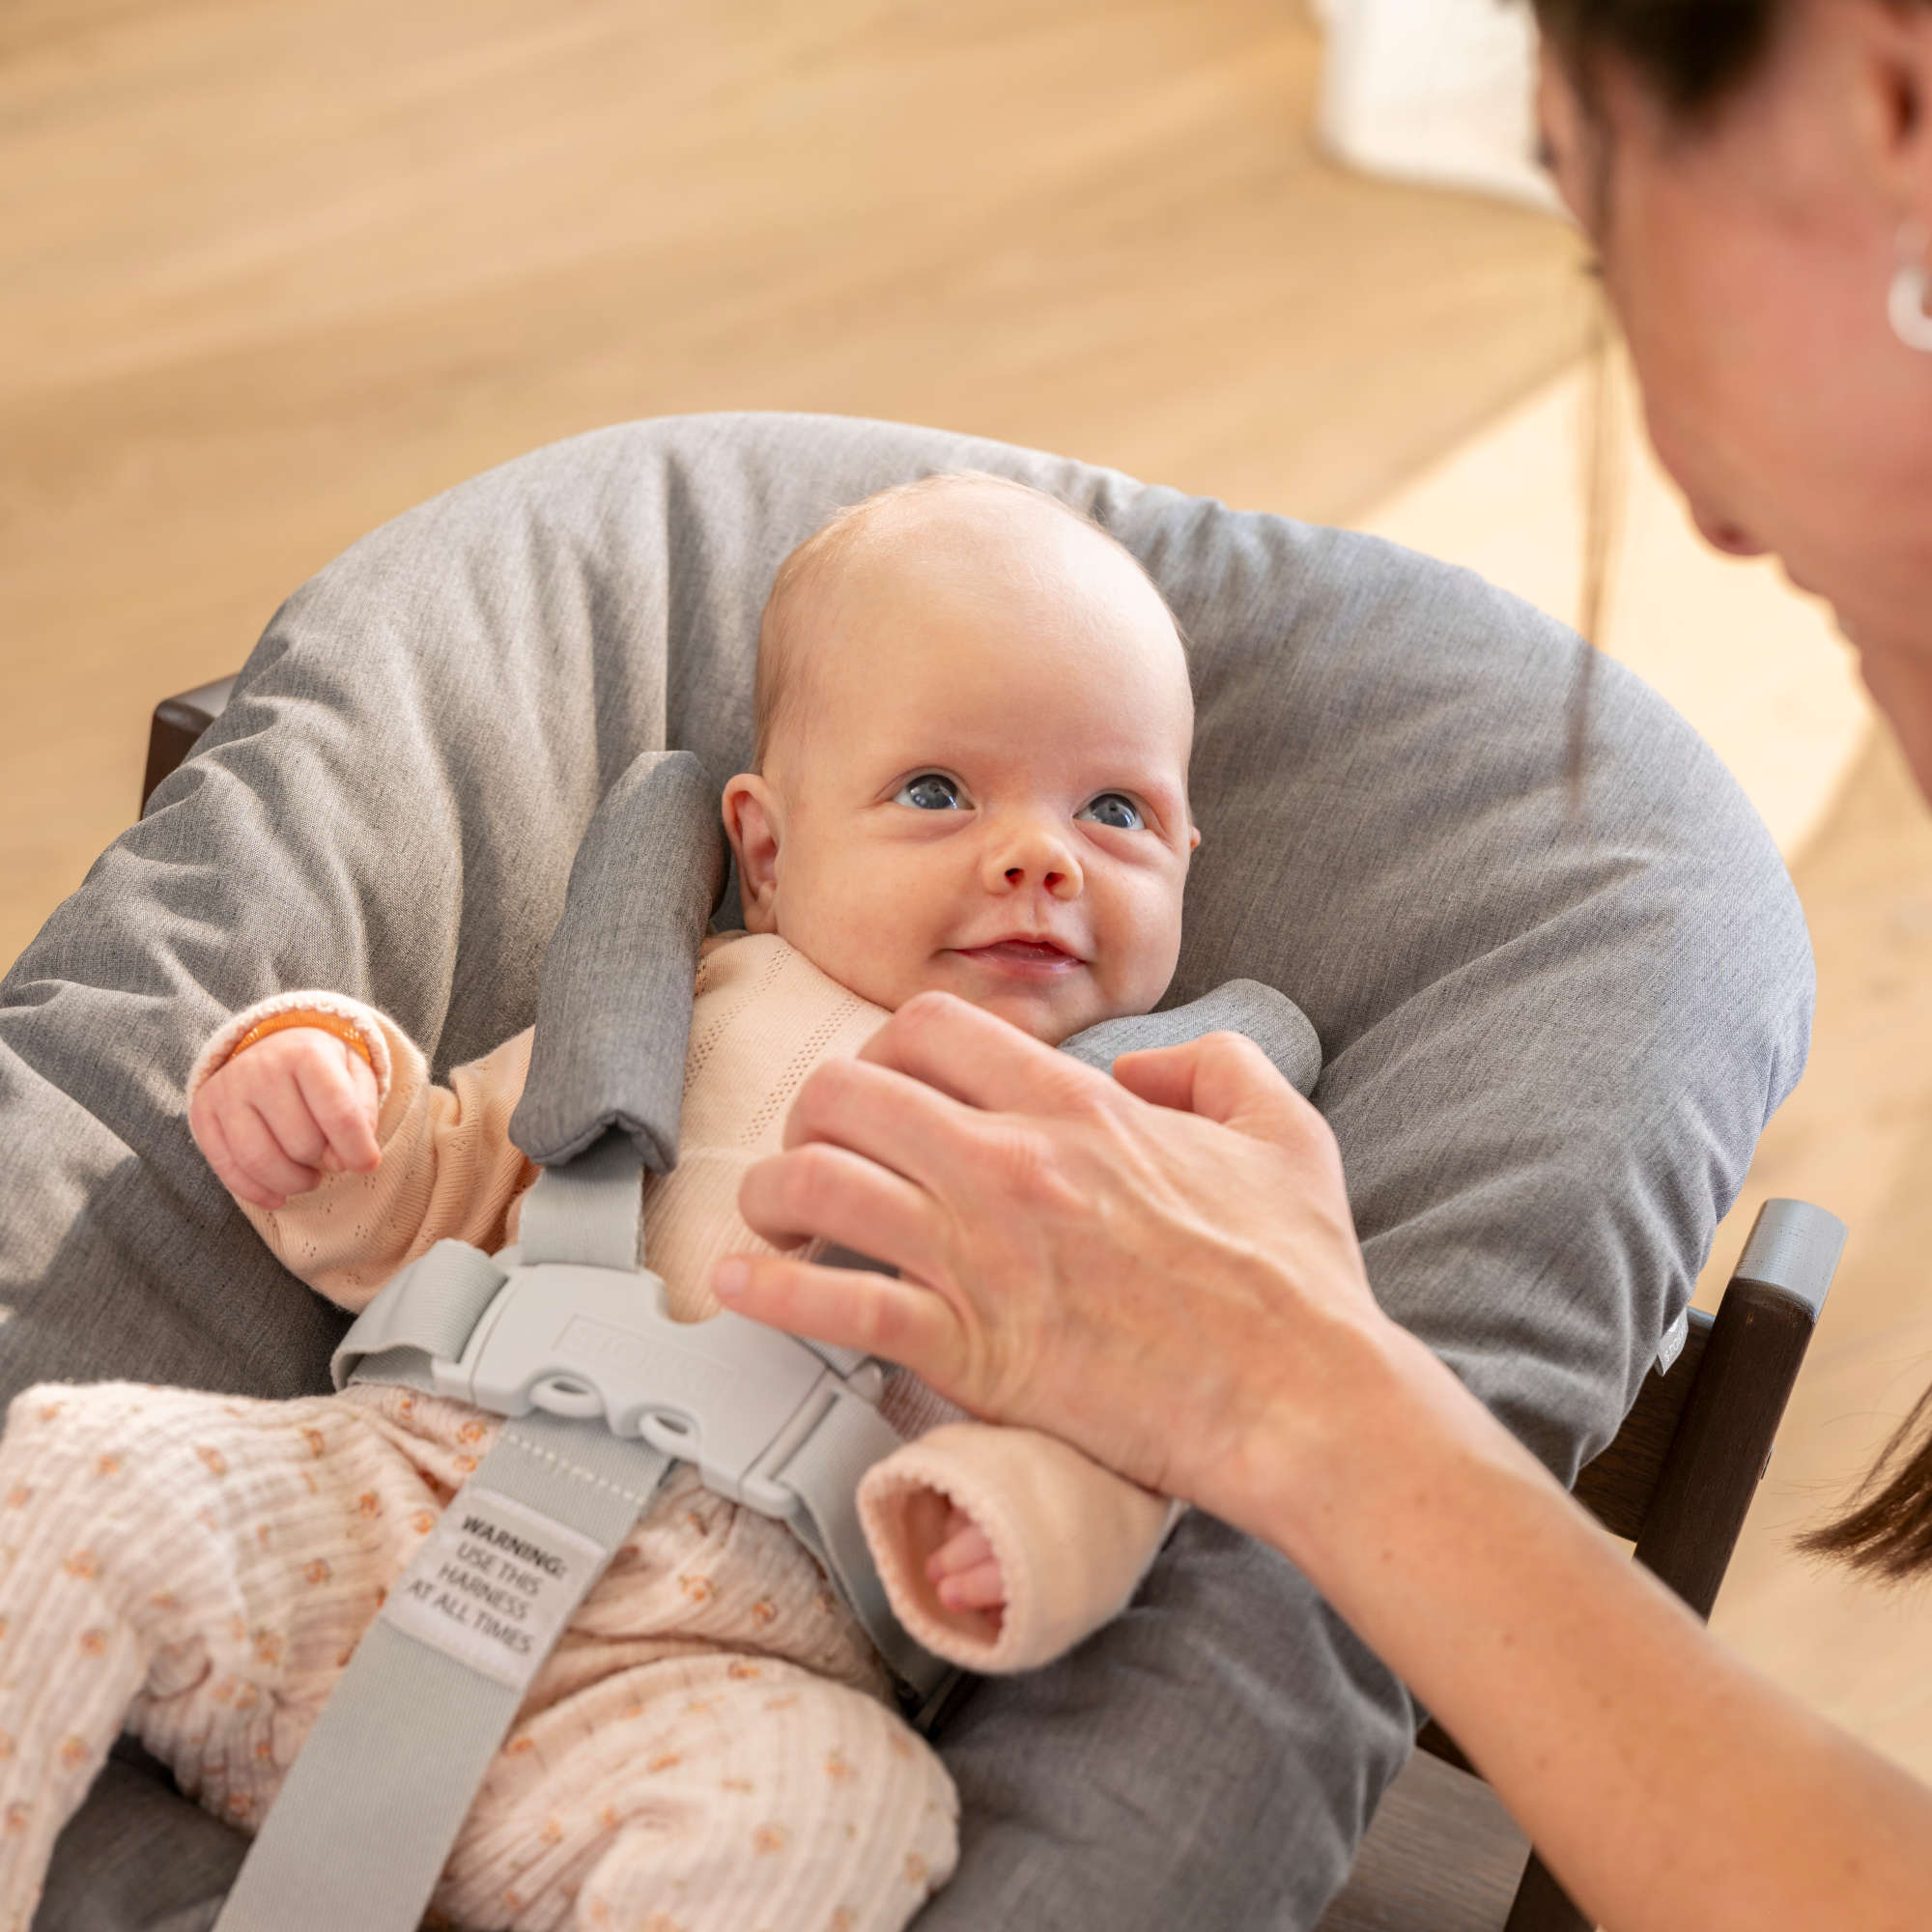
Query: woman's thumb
{"x":1223,"y":1077}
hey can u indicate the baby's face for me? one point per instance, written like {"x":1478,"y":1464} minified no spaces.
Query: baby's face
{"x":982,"y":785}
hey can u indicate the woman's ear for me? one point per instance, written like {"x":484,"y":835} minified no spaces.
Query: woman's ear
{"x":1891,"y":53}
{"x":754,"y":826}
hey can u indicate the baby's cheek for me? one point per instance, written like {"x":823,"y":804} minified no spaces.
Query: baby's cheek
{"x":878,"y":973}
{"x":872,"y":933}
{"x":1157,"y":944}
{"x":1136,"y":982}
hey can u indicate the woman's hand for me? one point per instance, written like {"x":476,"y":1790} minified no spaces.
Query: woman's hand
{"x":292,"y":1108}
{"x":1152,"y":1266}
{"x":1162,"y":1269}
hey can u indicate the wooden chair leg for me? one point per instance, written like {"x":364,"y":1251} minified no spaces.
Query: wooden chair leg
{"x":1542,"y":1905}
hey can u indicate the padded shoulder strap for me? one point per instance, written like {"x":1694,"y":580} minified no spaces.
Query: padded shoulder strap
{"x":614,"y":1008}
{"x":1270,"y":1019}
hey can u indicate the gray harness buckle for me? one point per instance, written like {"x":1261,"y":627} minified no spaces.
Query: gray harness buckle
{"x":584,"y":1341}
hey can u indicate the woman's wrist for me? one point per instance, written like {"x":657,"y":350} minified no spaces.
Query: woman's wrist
{"x":1352,"y":1434}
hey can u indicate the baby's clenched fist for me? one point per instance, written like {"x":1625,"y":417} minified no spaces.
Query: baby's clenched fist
{"x":295,"y":1106}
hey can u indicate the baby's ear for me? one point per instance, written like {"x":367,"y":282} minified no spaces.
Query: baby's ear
{"x":753,"y":825}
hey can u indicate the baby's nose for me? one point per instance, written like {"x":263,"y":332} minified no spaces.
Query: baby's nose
{"x":1035,"y":858}
{"x":1052,"y":881}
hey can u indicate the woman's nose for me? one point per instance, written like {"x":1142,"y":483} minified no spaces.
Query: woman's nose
{"x":1033,"y":856}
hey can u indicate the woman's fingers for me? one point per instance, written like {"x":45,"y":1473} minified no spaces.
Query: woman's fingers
{"x":1223,"y":1077}
{"x":827,"y":1190}
{"x":851,"y":1308}
{"x":976,"y":1059}
{"x":874,"y":1110}
{"x":1095,"y":1256}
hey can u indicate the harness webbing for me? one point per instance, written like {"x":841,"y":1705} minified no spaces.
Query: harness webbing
{"x":567,"y":1337}
{"x":365,"y":1822}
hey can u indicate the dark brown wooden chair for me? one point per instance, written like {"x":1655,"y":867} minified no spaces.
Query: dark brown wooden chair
{"x":1443,"y":1854}
{"x":178,"y":722}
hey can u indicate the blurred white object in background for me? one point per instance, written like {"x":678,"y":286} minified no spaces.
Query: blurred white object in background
{"x":1437,"y":90}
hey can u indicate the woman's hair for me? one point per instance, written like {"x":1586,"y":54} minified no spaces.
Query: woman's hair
{"x":1694,"y":55}
{"x":1887,"y":1529}
{"x":1691,"y":54}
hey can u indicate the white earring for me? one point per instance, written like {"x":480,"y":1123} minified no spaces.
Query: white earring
{"x":1905,"y":303}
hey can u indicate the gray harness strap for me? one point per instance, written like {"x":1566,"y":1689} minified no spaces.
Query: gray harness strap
{"x":569,"y":1340}
{"x":363,"y":1823}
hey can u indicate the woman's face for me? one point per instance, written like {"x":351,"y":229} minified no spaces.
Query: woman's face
{"x":1749,"y":261}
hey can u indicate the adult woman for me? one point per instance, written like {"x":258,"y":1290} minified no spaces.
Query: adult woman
{"x":1181,"y":1288}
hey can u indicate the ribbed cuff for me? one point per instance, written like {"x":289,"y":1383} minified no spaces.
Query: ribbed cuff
{"x":366,"y":1021}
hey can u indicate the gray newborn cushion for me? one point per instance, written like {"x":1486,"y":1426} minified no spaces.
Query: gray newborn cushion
{"x":1552,"y":1036}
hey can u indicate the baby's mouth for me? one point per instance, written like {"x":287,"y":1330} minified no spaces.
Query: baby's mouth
{"x":1034,"y":957}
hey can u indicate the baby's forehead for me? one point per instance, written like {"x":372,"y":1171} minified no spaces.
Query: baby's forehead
{"x":965,"y":518}
{"x":927,"y":583}
{"x":986,"y":548}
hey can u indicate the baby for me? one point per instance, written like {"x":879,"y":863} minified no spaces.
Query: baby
{"x":974,"y":724}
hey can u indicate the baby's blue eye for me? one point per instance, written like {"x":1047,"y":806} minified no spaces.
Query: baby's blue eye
{"x":930,"y":791}
{"x":1115,"y":808}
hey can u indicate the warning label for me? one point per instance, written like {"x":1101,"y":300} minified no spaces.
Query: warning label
{"x":492,"y":1586}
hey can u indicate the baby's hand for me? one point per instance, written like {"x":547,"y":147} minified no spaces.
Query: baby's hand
{"x":295,"y":1106}
{"x":963,"y":1570}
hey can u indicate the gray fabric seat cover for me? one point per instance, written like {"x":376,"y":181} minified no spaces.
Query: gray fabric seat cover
{"x":1552,"y":1038}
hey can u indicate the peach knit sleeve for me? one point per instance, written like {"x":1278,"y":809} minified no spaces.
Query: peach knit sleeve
{"x":449,"y":1167}
{"x":1073,"y":1539}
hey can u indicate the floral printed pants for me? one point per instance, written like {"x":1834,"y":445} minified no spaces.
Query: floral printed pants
{"x":709,"y":1748}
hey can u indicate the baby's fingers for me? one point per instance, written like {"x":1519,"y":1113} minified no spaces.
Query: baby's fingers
{"x":979,"y":1588}
{"x":340,"y":1094}
{"x":214,"y":1144}
{"x":963,"y":1570}
{"x":965,"y":1546}
{"x":267,"y":1175}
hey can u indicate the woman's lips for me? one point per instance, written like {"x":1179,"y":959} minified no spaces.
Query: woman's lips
{"x":1023,"y":958}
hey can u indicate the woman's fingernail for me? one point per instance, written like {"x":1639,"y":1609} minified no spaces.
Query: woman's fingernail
{"x":729,"y":1278}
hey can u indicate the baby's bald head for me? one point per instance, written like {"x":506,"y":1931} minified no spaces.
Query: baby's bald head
{"x":951,"y":529}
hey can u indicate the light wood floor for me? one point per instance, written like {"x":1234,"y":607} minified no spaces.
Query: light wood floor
{"x":1856,"y":1137}
{"x":271,"y":274}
